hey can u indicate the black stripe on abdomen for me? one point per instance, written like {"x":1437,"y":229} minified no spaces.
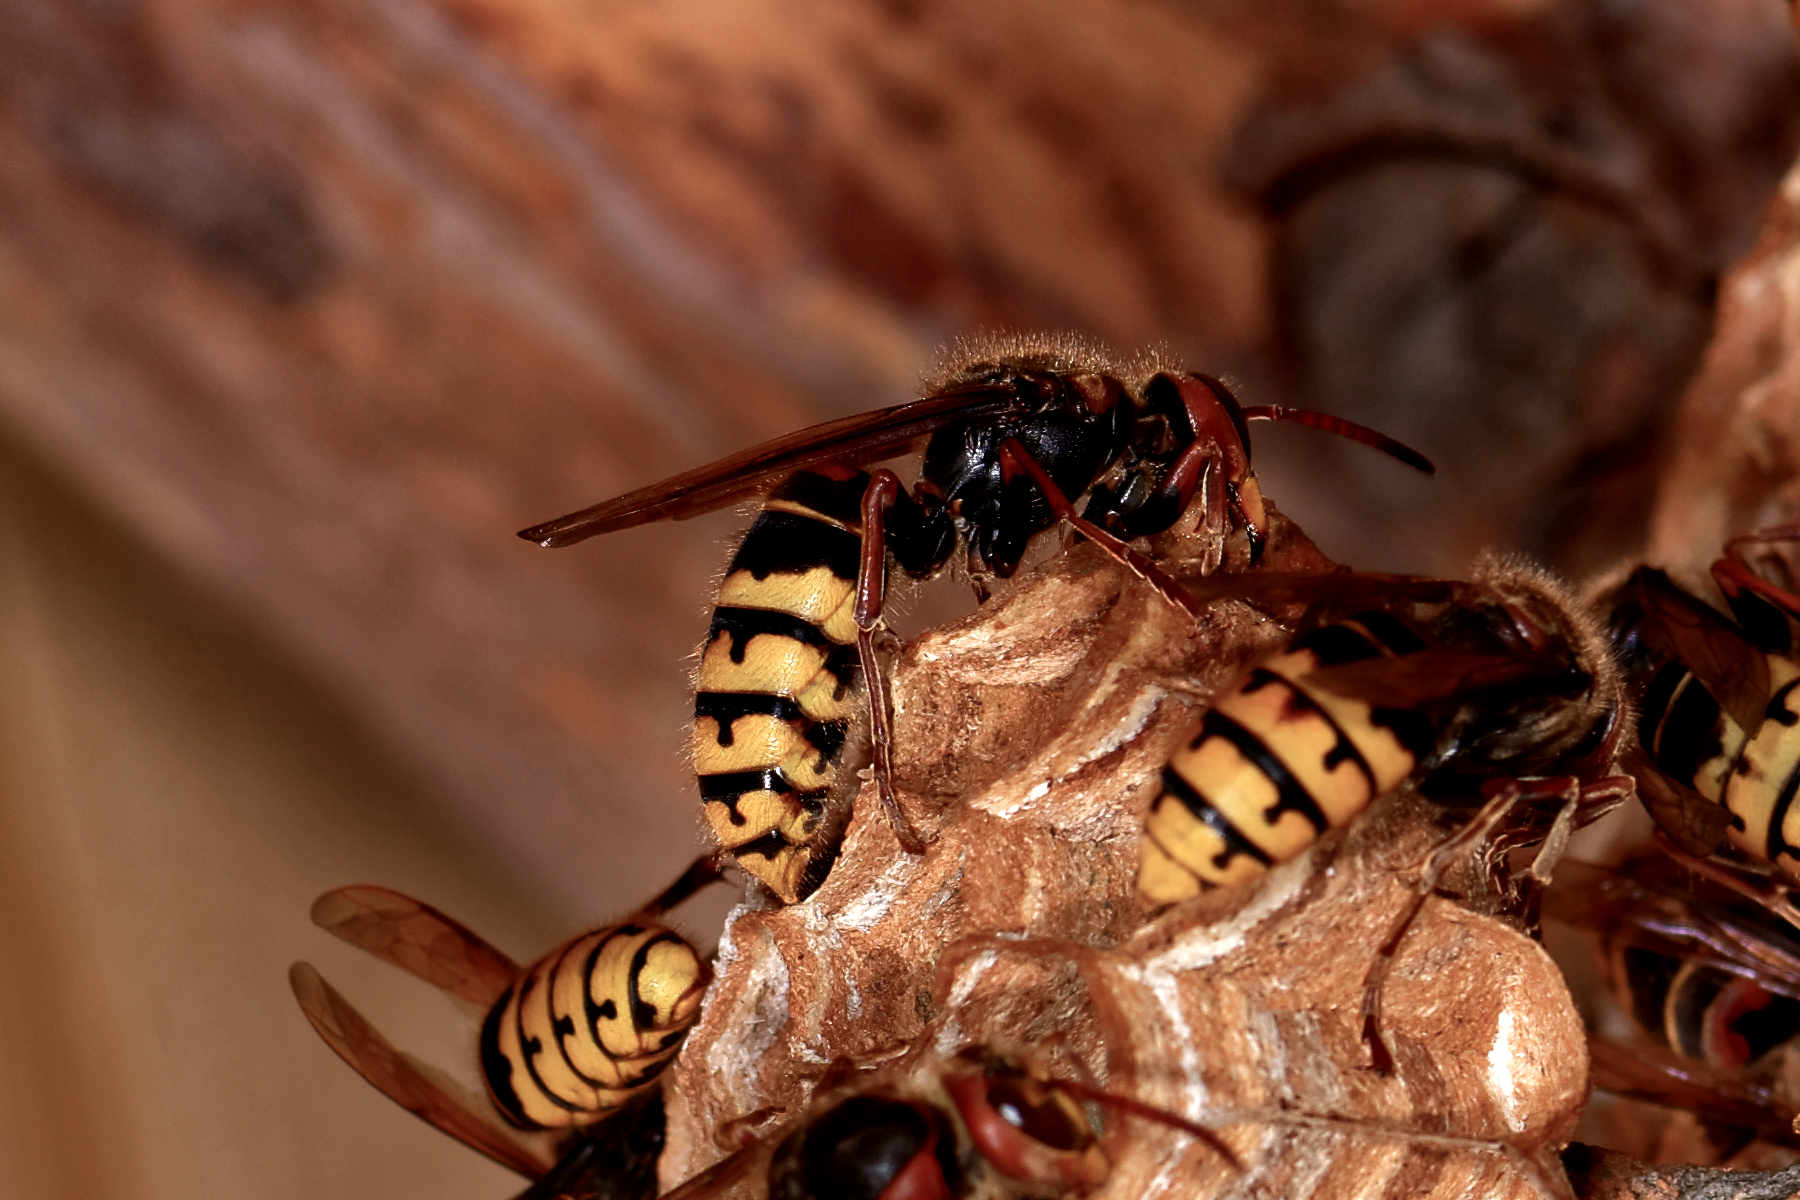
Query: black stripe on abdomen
{"x":1204,"y":812}
{"x":788,"y":543}
{"x":1342,"y":750}
{"x":1647,"y":979}
{"x":1777,"y":712}
{"x":1681,"y":724}
{"x":726,"y":788}
{"x":498,"y":1069}
{"x":827,"y":737}
{"x":727,"y":707}
{"x":1291,"y":796}
{"x":530,"y":1048}
{"x":643,"y":1013}
{"x":742,"y":624}
{"x":565,"y":1025}
{"x":840,"y":499}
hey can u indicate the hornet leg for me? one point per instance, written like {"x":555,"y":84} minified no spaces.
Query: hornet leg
{"x":1014,"y":457}
{"x":871,"y":592}
{"x":1481,"y":828}
{"x":703,"y":872}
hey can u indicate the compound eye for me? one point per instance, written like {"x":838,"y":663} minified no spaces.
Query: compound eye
{"x":1028,"y":1132}
{"x":867,"y":1148}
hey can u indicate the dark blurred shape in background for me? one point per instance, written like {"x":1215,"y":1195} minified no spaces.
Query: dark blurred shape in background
{"x":304,"y":308}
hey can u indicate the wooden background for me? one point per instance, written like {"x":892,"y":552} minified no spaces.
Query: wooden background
{"x":306,"y":306}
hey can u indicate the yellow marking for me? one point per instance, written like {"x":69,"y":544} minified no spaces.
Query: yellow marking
{"x":532,"y":1101}
{"x":1662,"y":719}
{"x":816,"y":596}
{"x":771,"y":663}
{"x":1751,"y":788}
{"x":1250,"y":502}
{"x":1787,"y":861}
{"x":671,"y":971}
{"x":1301,"y":739}
{"x":783,"y":871}
{"x":1178,"y":841}
{"x":1180,"y":850}
{"x":759,"y":742}
{"x":1712,"y":777}
{"x":1390,"y":762}
{"x":1244,"y":796}
{"x":801,"y":510}
{"x":824,"y":699}
{"x":672,"y":983}
{"x":1162,"y":880}
{"x":1671,"y":1009}
{"x":1750,"y":793}
{"x":777,"y":666}
{"x":553,"y":1071}
{"x":1290,"y":664}
{"x":626,"y":1057}
{"x":763,"y":812}
{"x":568,"y":990}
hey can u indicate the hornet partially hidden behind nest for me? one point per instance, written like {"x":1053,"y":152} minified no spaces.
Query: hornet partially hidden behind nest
{"x":975,"y":1124}
{"x":1711,"y":983}
{"x":1718,"y":755}
{"x":571,"y":1047}
{"x":1012,"y":439}
{"x":1499,"y":694}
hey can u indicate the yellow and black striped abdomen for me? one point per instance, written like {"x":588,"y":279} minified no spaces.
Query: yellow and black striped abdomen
{"x":777,"y":683}
{"x":590,"y":1024}
{"x":1275,"y":763}
{"x":1754,"y":774}
{"x":1699,"y":1011}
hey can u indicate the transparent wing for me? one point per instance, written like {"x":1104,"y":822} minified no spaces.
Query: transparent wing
{"x":421,"y":1090}
{"x":1426,"y":676}
{"x":418,"y":939}
{"x":1679,"y":626}
{"x":864,"y":437}
{"x":1645,"y":1073}
{"x":1333,"y":591}
{"x":1654,"y":904}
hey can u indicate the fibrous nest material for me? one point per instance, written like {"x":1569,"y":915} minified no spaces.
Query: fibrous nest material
{"x":1029,"y":737}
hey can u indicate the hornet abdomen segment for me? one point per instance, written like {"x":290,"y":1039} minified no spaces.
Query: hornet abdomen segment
{"x":1752,"y":774}
{"x":590,"y":1024}
{"x":1276,"y":763}
{"x":778,"y":683}
{"x":1702,"y":1012}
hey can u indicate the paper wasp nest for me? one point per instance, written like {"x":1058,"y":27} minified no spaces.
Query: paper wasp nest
{"x":1028,"y":739}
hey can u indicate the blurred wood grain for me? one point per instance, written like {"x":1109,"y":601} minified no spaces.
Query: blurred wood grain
{"x":318,"y":301}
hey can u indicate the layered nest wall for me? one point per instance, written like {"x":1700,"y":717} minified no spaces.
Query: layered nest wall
{"x":1029,"y":738}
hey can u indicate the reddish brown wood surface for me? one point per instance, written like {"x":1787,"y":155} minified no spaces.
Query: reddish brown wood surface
{"x":319,"y":301}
